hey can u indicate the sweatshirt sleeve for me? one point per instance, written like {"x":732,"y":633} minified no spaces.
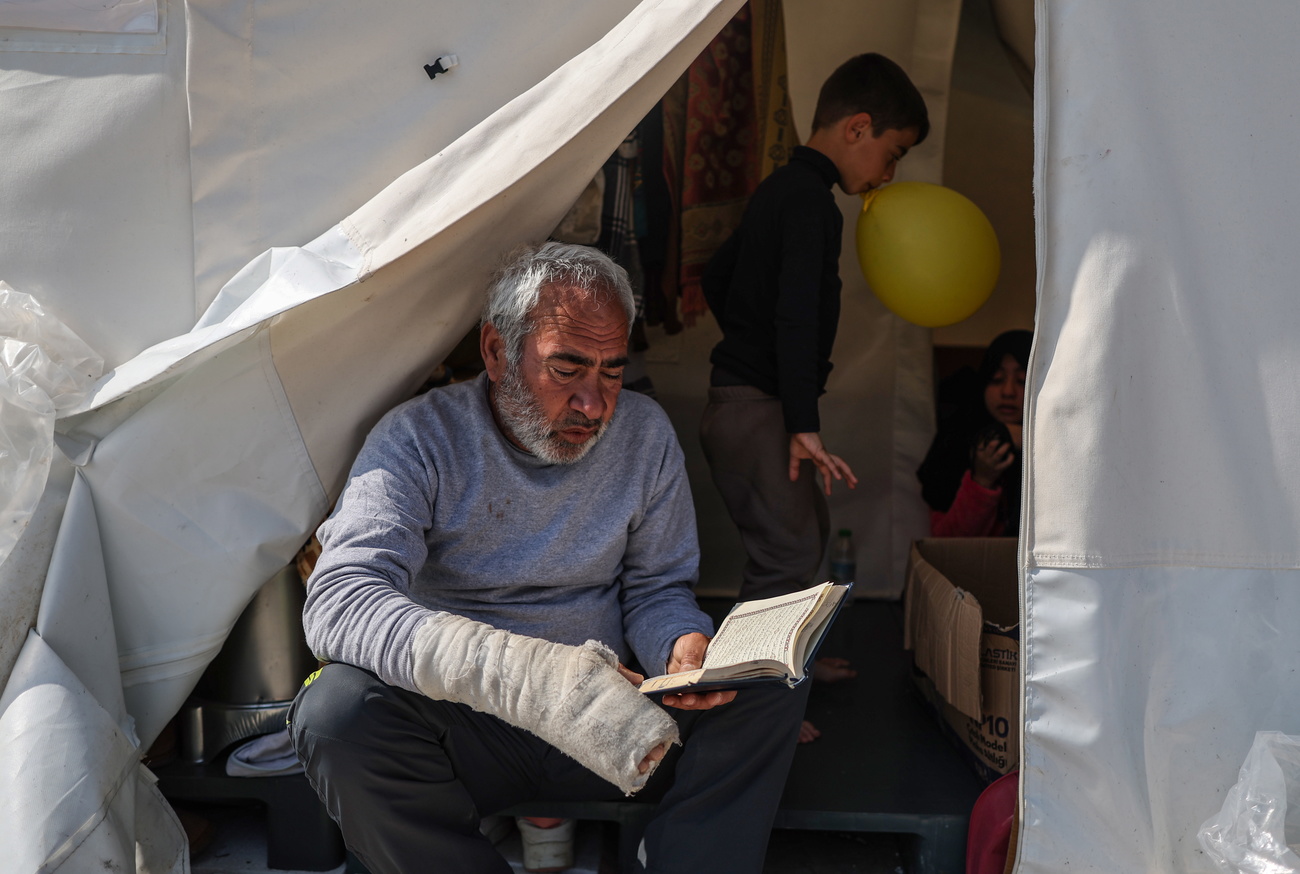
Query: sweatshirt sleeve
{"x":358,"y":610}
{"x":661,"y":567}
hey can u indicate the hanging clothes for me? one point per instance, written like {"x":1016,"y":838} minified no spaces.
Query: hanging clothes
{"x":727,"y":124}
{"x":617,"y":219}
{"x":652,"y":208}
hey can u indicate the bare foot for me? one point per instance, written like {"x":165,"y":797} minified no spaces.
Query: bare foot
{"x":831,"y":670}
{"x":808,"y":732}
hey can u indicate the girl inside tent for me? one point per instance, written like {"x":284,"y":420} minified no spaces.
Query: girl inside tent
{"x":971,"y":476}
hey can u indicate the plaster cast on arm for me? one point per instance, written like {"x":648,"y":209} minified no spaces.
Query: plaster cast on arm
{"x":572,"y":697}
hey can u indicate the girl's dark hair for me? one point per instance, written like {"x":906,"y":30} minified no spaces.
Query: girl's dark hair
{"x":967,"y":424}
{"x":1014,"y":343}
{"x":873,"y":84}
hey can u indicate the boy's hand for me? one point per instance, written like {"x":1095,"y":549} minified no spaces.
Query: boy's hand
{"x":808,"y":445}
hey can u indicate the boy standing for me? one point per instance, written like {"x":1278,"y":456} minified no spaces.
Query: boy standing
{"x":774,"y":288}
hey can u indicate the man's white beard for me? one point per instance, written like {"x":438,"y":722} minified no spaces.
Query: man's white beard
{"x":523,"y":418}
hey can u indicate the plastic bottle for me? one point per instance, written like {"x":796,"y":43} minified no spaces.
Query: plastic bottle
{"x":844,"y":558}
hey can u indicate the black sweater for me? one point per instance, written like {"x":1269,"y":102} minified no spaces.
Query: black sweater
{"x":774,"y":287}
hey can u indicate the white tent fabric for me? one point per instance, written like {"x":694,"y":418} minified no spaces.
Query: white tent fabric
{"x":1159,"y":543}
{"x":1162,"y":612}
{"x":77,"y":796}
{"x":264,"y":402}
{"x":271,"y":223}
{"x":128,"y":16}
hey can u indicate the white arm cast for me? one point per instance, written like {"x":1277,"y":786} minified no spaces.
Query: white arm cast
{"x":572,"y":697}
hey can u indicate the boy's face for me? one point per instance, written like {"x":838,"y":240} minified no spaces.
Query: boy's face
{"x":868,"y":160}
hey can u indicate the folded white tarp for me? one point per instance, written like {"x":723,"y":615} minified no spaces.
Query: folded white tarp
{"x":1162,"y":524}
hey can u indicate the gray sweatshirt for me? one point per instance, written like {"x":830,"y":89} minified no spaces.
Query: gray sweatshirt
{"x":441,"y":513}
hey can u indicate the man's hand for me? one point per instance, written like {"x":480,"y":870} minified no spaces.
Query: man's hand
{"x":688,"y":655}
{"x":808,"y":445}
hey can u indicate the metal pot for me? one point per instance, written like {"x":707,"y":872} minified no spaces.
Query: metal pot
{"x":265,"y":658}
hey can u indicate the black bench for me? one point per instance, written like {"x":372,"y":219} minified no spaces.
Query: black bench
{"x":882,"y":765}
{"x":300,"y":836}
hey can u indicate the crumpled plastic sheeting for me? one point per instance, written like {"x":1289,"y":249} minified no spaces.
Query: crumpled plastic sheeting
{"x":1249,"y":833}
{"x":45,"y":369}
{"x":76,"y":796}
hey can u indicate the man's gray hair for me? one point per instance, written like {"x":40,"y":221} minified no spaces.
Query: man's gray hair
{"x":515,"y":288}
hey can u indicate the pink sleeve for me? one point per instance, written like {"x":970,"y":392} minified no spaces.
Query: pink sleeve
{"x":974,"y":512}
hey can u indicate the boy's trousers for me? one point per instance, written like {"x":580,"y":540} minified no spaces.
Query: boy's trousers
{"x":783,"y":525}
{"x":408,"y":778}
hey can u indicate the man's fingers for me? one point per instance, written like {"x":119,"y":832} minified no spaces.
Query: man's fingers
{"x":698,"y":700}
{"x":688,"y":653}
{"x":631,"y":676}
{"x":655,"y":755}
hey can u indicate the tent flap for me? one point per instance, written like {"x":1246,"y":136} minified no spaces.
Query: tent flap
{"x":1162,"y":497}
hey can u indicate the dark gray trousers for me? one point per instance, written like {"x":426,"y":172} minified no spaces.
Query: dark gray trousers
{"x":408,"y":778}
{"x":783,"y":525}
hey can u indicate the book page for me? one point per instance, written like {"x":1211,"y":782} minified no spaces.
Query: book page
{"x":816,"y":625}
{"x":762,"y":630}
{"x":666,"y":682}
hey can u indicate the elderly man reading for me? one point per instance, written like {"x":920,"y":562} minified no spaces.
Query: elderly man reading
{"x":507,"y":554}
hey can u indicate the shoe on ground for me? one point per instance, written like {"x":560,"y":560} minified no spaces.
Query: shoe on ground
{"x":547,"y":849}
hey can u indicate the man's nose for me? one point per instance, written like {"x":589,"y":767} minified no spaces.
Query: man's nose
{"x":587,"y":398}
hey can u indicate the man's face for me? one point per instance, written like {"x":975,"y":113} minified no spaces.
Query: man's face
{"x":558,"y":400}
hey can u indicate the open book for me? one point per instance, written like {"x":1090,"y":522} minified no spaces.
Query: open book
{"x":764,"y":641}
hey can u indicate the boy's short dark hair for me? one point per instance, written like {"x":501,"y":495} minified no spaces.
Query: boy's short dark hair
{"x":873,"y":84}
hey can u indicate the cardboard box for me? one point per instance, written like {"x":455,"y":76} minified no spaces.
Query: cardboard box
{"x":962,"y":625}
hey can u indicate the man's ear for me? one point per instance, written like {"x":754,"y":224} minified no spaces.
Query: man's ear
{"x":492,"y":346}
{"x":857,"y":127}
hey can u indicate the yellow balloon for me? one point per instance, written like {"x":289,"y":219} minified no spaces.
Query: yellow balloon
{"x":927,"y":252}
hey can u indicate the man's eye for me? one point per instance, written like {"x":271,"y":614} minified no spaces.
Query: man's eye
{"x":615,"y":375}
{"x":563,"y":374}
